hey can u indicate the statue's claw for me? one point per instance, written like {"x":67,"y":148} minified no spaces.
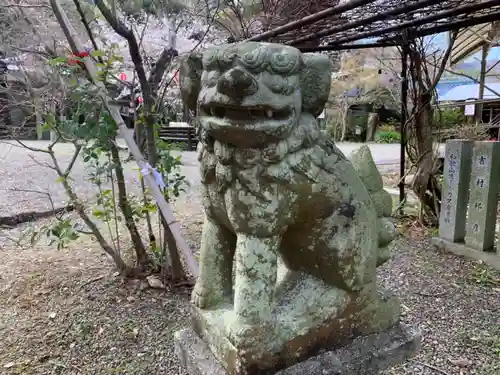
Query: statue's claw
{"x":200,"y":297}
{"x":204,"y":298}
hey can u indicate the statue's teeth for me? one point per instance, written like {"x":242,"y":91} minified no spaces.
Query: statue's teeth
{"x":269,"y":113}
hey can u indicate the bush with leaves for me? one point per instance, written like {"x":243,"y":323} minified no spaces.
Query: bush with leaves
{"x":446,"y":118}
{"x":92,"y":131}
{"x":387,"y":136}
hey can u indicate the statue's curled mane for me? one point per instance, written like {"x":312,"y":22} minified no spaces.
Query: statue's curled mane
{"x":279,"y":162}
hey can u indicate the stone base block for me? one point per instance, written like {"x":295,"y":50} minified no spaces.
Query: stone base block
{"x":300,"y":327}
{"x":367,"y":355}
{"x":490,"y":258}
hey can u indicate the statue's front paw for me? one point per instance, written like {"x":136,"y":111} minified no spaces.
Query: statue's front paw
{"x":200,"y":297}
{"x":204,"y":298}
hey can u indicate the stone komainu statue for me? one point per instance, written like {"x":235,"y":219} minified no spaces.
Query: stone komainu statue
{"x":284,"y":208}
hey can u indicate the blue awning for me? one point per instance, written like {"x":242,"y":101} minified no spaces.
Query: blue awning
{"x":471,"y":91}
{"x":446,"y":85}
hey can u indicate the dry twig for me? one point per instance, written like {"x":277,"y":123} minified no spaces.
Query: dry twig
{"x":425,"y":364}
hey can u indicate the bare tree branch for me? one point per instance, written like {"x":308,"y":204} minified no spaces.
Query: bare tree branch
{"x":46,"y":6}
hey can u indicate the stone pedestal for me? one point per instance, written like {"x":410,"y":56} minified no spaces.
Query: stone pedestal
{"x":456,"y":176}
{"x":483,"y":199}
{"x":301,"y":327}
{"x":460,"y":249}
{"x":367,"y":355}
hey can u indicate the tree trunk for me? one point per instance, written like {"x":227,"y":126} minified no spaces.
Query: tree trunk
{"x":418,"y":131}
{"x":345,"y":124}
{"x":5,"y":116}
{"x":185,"y":113}
{"x":371,"y":126}
{"x":424,"y":184}
{"x":140,"y":250}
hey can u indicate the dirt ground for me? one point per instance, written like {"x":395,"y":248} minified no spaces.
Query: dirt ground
{"x":66,"y":311}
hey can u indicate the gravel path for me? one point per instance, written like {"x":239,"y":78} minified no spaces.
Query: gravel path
{"x":22,"y":170}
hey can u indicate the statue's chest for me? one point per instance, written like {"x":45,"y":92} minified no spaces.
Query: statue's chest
{"x":251,"y":207}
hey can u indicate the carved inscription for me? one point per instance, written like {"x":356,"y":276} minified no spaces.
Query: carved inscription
{"x":481,"y":218}
{"x":456,"y":178}
{"x":452,"y":184}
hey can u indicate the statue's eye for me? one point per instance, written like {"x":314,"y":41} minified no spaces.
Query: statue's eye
{"x":284,"y":63}
{"x":210,"y":59}
{"x":210,"y":78}
{"x":277,"y":83}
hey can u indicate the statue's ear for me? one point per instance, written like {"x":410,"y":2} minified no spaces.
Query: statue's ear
{"x":315,"y":81}
{"x":190,"y":69}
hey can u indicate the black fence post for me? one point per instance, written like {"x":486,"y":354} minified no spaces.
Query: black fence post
{"x":404,"y":101}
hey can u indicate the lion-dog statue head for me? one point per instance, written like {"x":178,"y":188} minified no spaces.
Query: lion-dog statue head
{"x":252,"y":94}
{"x":256,"y":103}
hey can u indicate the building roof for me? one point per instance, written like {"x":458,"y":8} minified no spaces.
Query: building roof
{"x":471,"y":91}
{"x":471,"y":39}
{"x":444,"y":86}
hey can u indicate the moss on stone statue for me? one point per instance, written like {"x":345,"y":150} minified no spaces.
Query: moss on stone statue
{"x":280,"y":198}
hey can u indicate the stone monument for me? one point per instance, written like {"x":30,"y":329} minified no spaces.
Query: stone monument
{"x":456,"y":175}
{"x":483,"y":196}
{"x":292,"y":235}
{"x":468,"y":217}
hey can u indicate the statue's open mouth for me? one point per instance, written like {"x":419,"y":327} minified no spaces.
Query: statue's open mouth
{"x":243,"y":115}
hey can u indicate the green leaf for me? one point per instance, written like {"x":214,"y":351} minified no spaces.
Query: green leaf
{"x":58,"y":60}
{"x":49,"y":118}
{"x":60,"y":179}
{"x":118,"y":58}
{"x":98,"y":53}
{"x":98,"y":213}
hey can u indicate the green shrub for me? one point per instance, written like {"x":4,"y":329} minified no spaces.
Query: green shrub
{"x":387,"y":137}
{"x":390,"y":125}
{"x":446,"y":118}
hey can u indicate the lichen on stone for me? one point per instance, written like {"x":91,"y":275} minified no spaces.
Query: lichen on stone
{"x":364,"y":164}
{"x":280,"y":199}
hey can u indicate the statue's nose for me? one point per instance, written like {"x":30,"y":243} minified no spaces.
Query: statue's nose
{"x":236,"y":83}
